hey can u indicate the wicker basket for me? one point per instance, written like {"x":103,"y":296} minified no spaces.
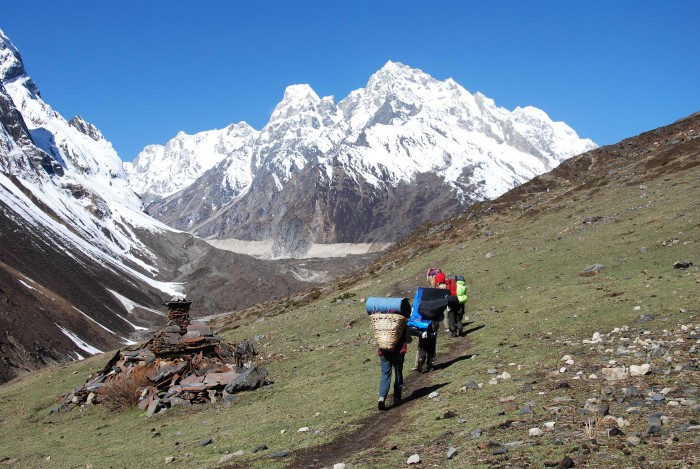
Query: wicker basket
{"x":387,"y":329}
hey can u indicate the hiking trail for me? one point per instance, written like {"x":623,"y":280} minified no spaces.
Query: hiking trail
{"x":378,"y":425}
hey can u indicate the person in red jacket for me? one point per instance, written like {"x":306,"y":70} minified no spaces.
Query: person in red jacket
{"x":392,"y":360}
{"x":440,"y":279}
{"x":430,"y":276}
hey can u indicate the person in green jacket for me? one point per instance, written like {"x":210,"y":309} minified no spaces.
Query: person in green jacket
{"x":455,"y":312}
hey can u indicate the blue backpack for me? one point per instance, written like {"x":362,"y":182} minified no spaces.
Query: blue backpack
{"x":429,"y":306}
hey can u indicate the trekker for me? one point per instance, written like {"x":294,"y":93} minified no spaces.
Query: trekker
{"x":428,"y":312}
{"x":392,"y":360}
{"x":440,"y":279}
{"x":450,"y":284}
{"x":430,"y":276}
{"x":427,"y":343}
{"x":455,"y":310}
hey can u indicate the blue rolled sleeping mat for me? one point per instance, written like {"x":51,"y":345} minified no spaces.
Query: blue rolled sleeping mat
{"x":429,"y":304}
{"x":388,"y":305}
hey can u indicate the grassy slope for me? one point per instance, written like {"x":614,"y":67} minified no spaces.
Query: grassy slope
{"x":521,"y":255}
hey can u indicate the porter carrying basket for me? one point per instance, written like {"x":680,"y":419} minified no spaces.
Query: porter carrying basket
{"x":387,"y":329}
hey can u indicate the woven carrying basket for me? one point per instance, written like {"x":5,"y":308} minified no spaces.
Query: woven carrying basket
{"x":387,"y":329}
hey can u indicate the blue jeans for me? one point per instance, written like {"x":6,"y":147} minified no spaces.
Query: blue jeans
{"x":387,"y":362}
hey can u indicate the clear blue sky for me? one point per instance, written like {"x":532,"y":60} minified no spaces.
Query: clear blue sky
{"x":143,"y":70}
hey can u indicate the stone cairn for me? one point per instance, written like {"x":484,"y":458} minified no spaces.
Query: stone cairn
{"x":186,"y":363}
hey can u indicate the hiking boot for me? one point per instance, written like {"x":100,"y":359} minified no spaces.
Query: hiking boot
{"x":397,"y":400}
{"x":380,"y":404}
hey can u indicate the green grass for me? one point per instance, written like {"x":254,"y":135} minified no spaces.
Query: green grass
{"x":528,"y":306}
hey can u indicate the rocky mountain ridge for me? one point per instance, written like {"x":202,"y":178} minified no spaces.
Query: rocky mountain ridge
{"x":367,"y":169}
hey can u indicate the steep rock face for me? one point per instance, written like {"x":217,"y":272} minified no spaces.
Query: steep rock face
{"x":75,"y":279}
{"x":404,"y":149}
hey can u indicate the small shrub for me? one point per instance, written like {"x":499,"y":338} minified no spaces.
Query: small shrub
{"x":123,"y":390}
{"x":315,"y":294}
{"x":434,"y":243}
{"x":344,"y":296}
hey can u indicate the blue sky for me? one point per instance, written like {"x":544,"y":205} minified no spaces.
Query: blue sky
{"x":143,"y":70}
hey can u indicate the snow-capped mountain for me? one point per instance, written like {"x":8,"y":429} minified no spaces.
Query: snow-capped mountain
{"x":73,"y":259}
{"x":82,"y":268}
{"x":80,"y":180}
{"x":162,"y":170}
{"x":404,"y":149}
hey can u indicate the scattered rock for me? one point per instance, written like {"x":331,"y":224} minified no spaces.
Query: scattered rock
{"x":566,"y":462}
{"x":227,"y":457}
{"x":451,"y":452}
{"x":655,"y":424}
{"x":470,"y":385}
{"x":591,"y":270}
{"x":414,"y":459}
{"x":504,"y":376}
{"x":615,"y":374}
{"x":526,"y":410}
{"x":639,"y":370}
{"x":278,"y":454}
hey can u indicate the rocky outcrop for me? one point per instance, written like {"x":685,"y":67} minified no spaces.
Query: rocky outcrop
{"x":182,"y":364}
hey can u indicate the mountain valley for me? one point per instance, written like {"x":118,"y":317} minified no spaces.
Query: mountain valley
{"x":527,"y":384}
{"x":319,"y":192}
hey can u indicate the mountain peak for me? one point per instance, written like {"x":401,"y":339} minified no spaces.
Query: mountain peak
{"x":393,"y":67}
{"x":298,"y":103}
{"x":394,"y":70}
{"x":11,"y":65}
{"x":301,"y":92}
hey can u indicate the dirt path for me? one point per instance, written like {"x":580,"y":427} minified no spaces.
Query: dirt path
{"x":375,"y":427}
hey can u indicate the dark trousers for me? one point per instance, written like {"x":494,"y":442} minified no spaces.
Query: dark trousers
{"x":426,"y":353}
{"x":454,"y":319}
{"x":387,"y":363}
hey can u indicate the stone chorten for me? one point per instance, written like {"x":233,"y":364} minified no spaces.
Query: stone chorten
{"x":179,"y":313}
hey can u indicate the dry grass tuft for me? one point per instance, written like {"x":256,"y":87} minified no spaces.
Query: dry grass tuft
{"x":122,"y":392}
